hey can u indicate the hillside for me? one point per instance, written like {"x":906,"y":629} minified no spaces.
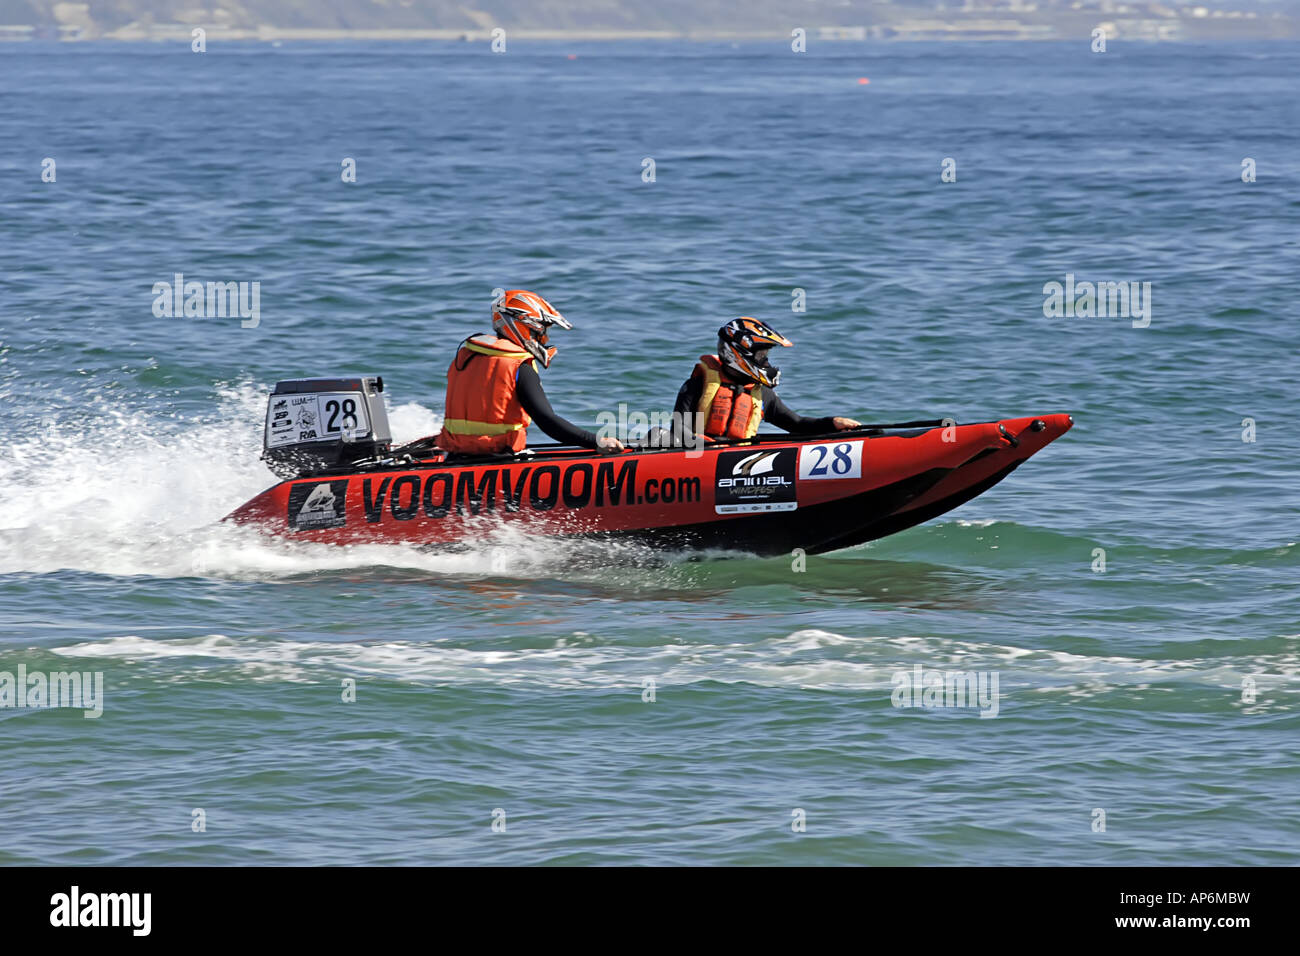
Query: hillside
{"x":700,"y":19}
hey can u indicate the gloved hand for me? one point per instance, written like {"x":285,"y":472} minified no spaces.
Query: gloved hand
{"x":609,"y":446}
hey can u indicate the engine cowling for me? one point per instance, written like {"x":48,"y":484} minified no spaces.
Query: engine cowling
{"x":316,"y":425}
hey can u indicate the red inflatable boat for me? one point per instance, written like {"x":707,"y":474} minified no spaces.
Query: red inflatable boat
{"x":768,"y":495}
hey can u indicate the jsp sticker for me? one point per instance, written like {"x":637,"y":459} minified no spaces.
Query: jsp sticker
{"x":832,"y":460}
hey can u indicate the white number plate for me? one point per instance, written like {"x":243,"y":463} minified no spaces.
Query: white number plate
{"x":839,"y":459}
{"x":315,"y":416}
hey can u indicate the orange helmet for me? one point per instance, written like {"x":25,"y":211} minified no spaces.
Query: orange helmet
{"x":743,"y":345}
{"x":524,"y":317}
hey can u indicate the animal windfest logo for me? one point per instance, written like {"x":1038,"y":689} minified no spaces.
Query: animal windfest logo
{"x":752,"y":481}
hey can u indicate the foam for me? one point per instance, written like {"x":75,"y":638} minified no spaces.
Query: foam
{"x":808,"y":659}
{"x":112,"y":490}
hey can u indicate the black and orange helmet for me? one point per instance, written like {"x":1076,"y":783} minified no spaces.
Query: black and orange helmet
{"x":743,"y":345}
{"x":524,"y":318}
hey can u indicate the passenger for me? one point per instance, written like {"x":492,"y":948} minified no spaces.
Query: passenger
{"x":494,"y":391}
{"x":734,"y":391}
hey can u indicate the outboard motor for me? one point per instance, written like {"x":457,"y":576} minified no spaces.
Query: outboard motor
{"x":320,"y":424}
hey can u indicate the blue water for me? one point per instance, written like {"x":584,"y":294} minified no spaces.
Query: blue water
{"x":511,"y":676}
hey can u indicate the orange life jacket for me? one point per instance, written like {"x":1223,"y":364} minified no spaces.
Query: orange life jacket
{"x":729,"y":409}
{"x":484,"y":415}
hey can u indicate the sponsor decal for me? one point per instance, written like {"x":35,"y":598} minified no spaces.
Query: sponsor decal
{"x":281,"y":424}
{"x":754,"y":481}
{"x":318,"y":504}
{"x":316,"y":416}
{"x":837,"y":459}
{"x":516,"y":487}
{"x":306,"y":421}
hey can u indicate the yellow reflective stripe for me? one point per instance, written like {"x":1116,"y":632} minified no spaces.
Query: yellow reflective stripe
{"x":490,"y":350}
{"x":712,"y":382}
{"x":755,"y":413}
{"x":463,"y":426}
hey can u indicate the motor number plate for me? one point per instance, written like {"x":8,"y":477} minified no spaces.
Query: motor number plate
{"x":315,"y":416}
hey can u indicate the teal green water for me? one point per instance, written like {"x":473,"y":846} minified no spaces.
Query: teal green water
{"x":510,"y":676}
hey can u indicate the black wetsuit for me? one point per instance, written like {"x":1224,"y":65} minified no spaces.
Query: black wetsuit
{"x":774,"y":410}
{"x":528,"y":388}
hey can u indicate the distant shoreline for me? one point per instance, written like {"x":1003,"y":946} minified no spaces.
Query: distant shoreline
{"x":796,"y":24}
{"x":1137,"y":21}
{"x":1030,"y":33}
